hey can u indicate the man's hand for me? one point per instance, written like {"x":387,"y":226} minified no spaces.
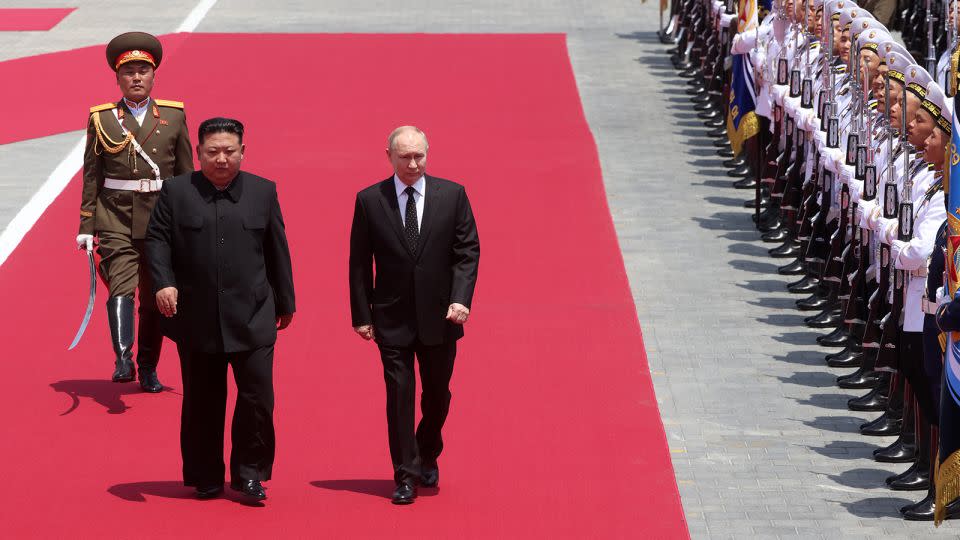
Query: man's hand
{"x":284,"y":321}
{"x":167,"y":301}
{"x":365,"y":331}
{"x":457,"y":313}
{"x":85,"y":241}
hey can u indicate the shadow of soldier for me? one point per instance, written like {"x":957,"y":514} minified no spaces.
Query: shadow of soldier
{"x":105,"y":392}
{"x":171,"y":489}
{"x":377,"y":488}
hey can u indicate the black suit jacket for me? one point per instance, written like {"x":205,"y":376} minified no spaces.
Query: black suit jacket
{"x":408,"y":295}
{"x":226,"y":253}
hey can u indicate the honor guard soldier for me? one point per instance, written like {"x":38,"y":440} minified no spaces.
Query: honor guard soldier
{"x":132,"y":146}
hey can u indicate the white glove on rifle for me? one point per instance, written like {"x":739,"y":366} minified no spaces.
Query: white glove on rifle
{"x":85,"y":241}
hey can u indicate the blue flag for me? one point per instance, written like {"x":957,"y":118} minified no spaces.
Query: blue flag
{"x":948,"y":462}
{"x":742,"y":121}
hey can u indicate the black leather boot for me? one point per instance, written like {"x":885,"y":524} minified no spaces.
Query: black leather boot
{"x":884,"y":426}
{"x":924,"y":509}
{"x":743,"y":170}
{"x":788,"y":250}
{"x":813,"y":302}
{"x":120,"y":318}
{"x":875,"y":400}
{"x":904,"y":449}
{"x":148,"y":350}
{"x":827,"y":318}
{"x":775,"y":236}
{"x":862,"y":378}
{"x":917,"y":477}
{"x":837,"y":338}
{"x":794,"y":268}
{"x":805,"y":286}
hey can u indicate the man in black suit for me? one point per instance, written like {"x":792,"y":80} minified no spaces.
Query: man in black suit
{"x":420,"y":232}
{"x":222,"y":276}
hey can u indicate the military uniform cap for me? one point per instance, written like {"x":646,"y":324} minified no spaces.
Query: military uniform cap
{"x":834,"y":7}
{"x":871,"y":39}
{"x":939,"y":107}
{"x":848,"y":15}
{"x":917,"y":79}
{"x":897,"y":64}
{"x":134,"y":47}
{"x":863,"y":23}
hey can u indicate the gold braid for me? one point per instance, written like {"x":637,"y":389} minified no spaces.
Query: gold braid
{"x":112,"y":146}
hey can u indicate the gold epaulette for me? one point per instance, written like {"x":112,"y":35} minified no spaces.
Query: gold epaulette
{"x":168,"y":103}
{"x":104,"y":107}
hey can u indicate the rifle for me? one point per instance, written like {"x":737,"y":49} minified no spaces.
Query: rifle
{"x":887,"y":356}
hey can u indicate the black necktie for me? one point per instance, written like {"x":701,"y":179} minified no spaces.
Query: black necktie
{"x":410,"y":229}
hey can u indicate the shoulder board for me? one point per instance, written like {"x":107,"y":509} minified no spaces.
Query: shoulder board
{"x":168,"y":103}
{"x":104,"y":107}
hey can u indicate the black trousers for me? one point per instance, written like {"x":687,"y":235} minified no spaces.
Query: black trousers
{"x":204,"y":406}
{"x":409,"y":448}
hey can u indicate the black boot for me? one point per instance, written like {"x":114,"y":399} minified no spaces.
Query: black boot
{"x":827,"y":318}
{"x":875,"y":400}
{"x":924,"y":510}
{"x":795,"y":268}
{"x":148,"y":350}
{"x":850,"y":357}
{"x":837,"y":338}
{"x":806,"y":285}
{"x":884,"y":426}
{"x":788,"y":250}
{"x":862,"y":378}
{"x":775,"y":236}
{"x":917,"y":477}
{"x":120,"y":317}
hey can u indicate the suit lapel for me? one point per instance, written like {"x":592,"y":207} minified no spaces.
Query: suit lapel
{"x":388,"y":199}
{"x":430,"y":202}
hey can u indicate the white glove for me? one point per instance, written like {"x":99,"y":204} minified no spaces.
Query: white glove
{"x":85,"y":241}
{"x":942,"y":297}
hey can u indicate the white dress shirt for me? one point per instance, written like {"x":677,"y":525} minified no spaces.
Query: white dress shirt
{"x":419,"y":188}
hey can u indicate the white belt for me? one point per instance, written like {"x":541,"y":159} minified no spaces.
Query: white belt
{"x":919,"y":272}
{"x":928,"y":307}
{"x":144,"y":185}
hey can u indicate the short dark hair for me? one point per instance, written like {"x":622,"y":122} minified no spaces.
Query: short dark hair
{"x":220,"y":125}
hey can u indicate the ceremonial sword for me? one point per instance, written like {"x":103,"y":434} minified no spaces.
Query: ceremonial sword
{"x":90,"y":302}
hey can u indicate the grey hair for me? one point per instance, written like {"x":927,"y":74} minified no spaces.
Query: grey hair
{"x":403,"y":129}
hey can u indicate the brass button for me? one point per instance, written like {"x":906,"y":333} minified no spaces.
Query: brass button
{"x":158,"y":132}
{"x":154,"y":150}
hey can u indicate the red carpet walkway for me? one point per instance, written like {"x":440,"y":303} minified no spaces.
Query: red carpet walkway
{"x":554,"y":430}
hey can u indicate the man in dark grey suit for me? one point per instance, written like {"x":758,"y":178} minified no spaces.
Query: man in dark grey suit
{"x":420,"y":232}
{"x":222,"y":276}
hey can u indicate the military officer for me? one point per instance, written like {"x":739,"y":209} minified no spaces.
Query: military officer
{"x":132,"y":146}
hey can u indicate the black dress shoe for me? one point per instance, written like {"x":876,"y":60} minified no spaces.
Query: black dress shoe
{"x":748,"y":182}
{"x":404,"y":494}
{"x":913,"y":479}
{"x":885,"y":426}
{"x":752,"y":203}
{"x":696,"y":88}
{"x":124,"y":371}
{"x":718,"y":133}
{"x":837,"y":338}
{"x":770,"y":224}
{"x":690,"y":72}
{"x":149,"y":382}
{"x":898,"y":452}
{"x":715,"y":123}
{"x":250,"y":488}
{"x":710,"y":114}
{"x":827,"y":319}
{"x":859,"y":379}
{"x":705,"y":104}
{"x":812,"y":303}
{"x":429,"y":475}
{"x":775,"y":236}
{"x":805,"y":286}
{"x":792,"y":269}
{"x":872,"y":401}
{"x":209,"y":492}
{"x":924,"y":510}
{"x":847,"y":359}
{"x":733,"y":163}
{"x":788,"y":250}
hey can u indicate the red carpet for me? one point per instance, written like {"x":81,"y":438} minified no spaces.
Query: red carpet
{"x":31,"y":19}
{"x":554,"y":430}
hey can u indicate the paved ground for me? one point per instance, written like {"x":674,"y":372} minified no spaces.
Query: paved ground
{"x":761,"y":440}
